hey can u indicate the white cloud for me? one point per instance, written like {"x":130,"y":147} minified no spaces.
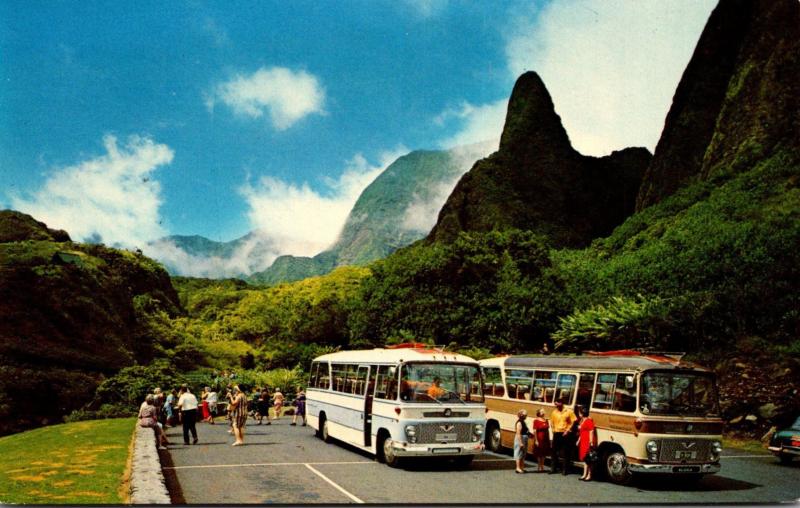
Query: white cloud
{"x":611,"y":66}
{"x":111,"y":197}
{"x":423,"y":211}
{"x":301,"y":221}
{"x":478,"y":124}
{"x":285,"y":95}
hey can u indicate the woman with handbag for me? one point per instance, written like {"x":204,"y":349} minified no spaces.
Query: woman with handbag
{"x":541,"y":444}
{"x":587,"y":443}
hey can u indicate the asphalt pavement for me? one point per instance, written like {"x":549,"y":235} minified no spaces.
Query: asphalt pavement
{"x":283,"y":464}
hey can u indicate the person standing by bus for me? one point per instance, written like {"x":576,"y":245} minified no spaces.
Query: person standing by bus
{"x":541,"y":438}
{"x":587,"y":441}
{"x":299,"y":407}
{"x":562,"y":419}
{"x":521,"y":434}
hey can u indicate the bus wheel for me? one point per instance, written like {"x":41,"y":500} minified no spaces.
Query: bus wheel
{"x":493,"y":437}
{"x":323,"y":429}
{"x":616,"y":467}
{"x":785,"y":458}
{"x":387,"y":452}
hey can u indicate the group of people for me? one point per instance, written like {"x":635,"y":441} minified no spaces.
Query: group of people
{"x":159,"y":411}
{"x":569,"y":431}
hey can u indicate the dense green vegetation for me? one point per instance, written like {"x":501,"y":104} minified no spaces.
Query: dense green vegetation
{"x":71,"y":464}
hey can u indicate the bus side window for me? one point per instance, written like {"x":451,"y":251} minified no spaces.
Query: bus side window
{"x":324,"y":379}
{"x":604,"y":391}
{"x":314,"y":377}
{"x":544,"y":383}
{"x":624,"y":398}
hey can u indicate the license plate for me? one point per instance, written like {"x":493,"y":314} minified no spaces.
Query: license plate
{"x":682,"y":455}
{"x":686,"y":469}
{"x":445,"y":450}
{"x":446,"y":438}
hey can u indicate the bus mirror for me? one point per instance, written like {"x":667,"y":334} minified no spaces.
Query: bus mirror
{"x":628,"y":382}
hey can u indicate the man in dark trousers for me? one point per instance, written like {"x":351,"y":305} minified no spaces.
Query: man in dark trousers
{"x":187,"y":403}
{"x":561,"y":419}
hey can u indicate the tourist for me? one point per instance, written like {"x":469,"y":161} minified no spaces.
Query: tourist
{"x":587,"y":442}
{"x":204,"y":412}
{"x":299,"y":407}
{"x":278,"y":399}
{"x":541,"y":438}
{"x":211,"y":398}
{"x":521,"y":434}
{"x":187,"y":403}
{"x":238,"y":412}
{"x":561,"y":419}
{"x":148,"y":417}
{"x":262,"y":407}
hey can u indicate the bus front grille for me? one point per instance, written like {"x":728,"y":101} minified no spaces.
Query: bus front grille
{"x":685,"y":451}
{"x":457,"y":432}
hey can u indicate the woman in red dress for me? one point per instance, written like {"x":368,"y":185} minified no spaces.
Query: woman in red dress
{"x":204,"y":406}
{"x":541,"y":443}
{"x":587,"y":440}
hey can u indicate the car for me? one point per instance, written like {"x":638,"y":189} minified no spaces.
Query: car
{"x":785,"y":443}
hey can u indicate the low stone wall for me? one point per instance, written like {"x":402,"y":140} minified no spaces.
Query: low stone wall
{"x":147,"y":480}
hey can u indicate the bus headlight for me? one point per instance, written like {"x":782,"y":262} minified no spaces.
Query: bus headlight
{"x":716,"y":450}
{"x":652,"y":450}
{"x":411,"y":432}
{"x":477,"y":432}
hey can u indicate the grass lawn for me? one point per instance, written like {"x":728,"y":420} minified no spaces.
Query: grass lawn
{"x":72,"y":463}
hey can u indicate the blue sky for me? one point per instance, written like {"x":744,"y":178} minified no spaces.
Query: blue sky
{"x":126,"y":122}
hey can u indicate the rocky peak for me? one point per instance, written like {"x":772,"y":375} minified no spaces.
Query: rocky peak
{"x":532,"y":124}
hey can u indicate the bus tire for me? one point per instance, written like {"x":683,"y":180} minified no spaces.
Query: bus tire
{"x":616,"y":466}
{"x":493,"y":441}
{"x":386,"y":451}
{"x":323,"y":433}
{"x":785,"y":458}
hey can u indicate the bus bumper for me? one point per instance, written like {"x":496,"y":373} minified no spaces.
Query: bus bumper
{"x":674,"y":468}
{"x":403,"y":449}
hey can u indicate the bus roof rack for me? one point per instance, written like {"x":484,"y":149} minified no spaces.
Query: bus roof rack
{"x":412,"y":345}
{"x":675,"y":355}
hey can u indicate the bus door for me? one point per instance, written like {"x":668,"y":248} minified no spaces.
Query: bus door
{"x":366,"y":416}
{"x":585,"y":389}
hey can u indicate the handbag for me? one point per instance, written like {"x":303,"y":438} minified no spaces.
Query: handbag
{"x":591,"y":457}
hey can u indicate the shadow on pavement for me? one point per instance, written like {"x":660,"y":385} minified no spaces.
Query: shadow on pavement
{"x":171,"y":480}
{"x":708,"y":483}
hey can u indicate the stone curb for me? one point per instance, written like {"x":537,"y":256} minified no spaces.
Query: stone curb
{"x":147,"y":480}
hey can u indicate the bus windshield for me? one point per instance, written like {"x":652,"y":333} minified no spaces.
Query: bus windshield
{"x":679,"y":393}
{"x":440,"y":382}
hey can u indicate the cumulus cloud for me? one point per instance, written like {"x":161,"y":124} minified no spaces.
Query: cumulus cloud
{"x":111,"y":198}
{"x":302,"y":221}
{"x":611,"y":66}
{"x":477,"y":124}
{"x":423,"y":211}
{"x":286,"y":96}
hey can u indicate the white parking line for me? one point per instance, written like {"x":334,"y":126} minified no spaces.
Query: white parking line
{"x":208,"y":466}
{"x":334,"y":484}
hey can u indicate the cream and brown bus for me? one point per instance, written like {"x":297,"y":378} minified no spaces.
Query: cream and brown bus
{"x":653,"y":413}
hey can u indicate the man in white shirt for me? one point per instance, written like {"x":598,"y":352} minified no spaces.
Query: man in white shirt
{"x":187,"y":403}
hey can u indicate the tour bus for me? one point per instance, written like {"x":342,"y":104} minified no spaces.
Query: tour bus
{"x":410,"y":400}
{"x":654,"y":413}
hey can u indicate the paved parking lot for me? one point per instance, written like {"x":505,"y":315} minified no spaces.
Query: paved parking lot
{"x":285,"y":464}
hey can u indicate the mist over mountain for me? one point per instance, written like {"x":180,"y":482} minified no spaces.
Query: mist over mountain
{"x":399,"y":207}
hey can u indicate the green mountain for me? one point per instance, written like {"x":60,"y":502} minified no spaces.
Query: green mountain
{"x":71,"y":313}
{"x":536,"y":181}
{"x":395,"y":210}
